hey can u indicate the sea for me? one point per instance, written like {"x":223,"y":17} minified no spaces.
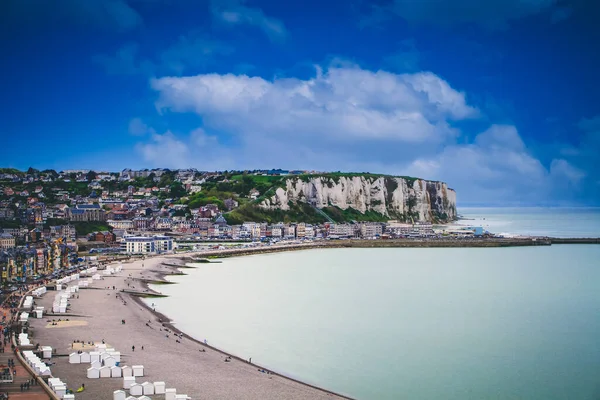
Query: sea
{"x":583,"y":222}
{"x":413,"y":323}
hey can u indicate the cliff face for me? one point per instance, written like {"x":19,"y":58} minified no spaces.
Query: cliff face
{"x":394,"y":197}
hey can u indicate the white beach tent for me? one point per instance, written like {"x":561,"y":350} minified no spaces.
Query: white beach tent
{"x":94,"y":356}
{"x":93,"y":373}
{"x":105,"y":372}
{"x":110,"y":362}
{"x":96,"y":364}
{"x":46,"y":352}
{"x":53,"y":382}
{"x":138,"y":370}
{"x":116,"y":355}
{"x":136,"y":389}
{"x":115,"y":372}
{"x":144,"y":398}
{"x":182,"y":397}
{"x":69,"y":397}
{"x":159,"y":387}
{"x":85,"y":357}
{"x":128,"y":381}
{"x":131,"y":398}
{"x":119,"y":395}
{"x":74,"y":358}
{"x":60,"y":391}
{"x":148,"y":387}
{"x":100,"y":347}
{"x":170,"y":394}
{"x":127,"y":371}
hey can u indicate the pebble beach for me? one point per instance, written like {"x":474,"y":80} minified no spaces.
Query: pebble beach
{"x":97,"y":313}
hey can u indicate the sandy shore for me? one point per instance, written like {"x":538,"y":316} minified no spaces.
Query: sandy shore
{"x":199,"y":374}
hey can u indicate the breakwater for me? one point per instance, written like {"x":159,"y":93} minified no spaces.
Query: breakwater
{"x":575,"y":240}
{"x":463,"y":243}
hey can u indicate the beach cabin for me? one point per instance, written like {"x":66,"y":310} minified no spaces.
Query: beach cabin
{"x":105,"y":372}
{"x":115,"y":372}
{"x":60,"y":391}
{"x":116,"y":355}
{"x":54,"y":382}
{"x":69,"y":397}
{"x":138,"y":370}
{"x":110,"y":362}
{"x":85,"y":358}
{"x":74,"y":358}
{"x":144,"y":398}
{"x":148,"y":387}
{"x":127,"y":371}
{"x":136,"y":389}
{"x":131,"y":398}
{"x":93,"y":373}
{"x":96,"y":364}
{"x":46,"y":352}
{"x":128,"y":381}
{"x":170,"y":394}
{"x":94,"y":356}
{"x":182,"y":397}
{"x":101,"y":347}
{"x":159,"y":387}
{"x":119,"y":395}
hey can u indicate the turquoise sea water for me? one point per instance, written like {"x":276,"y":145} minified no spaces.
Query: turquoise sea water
{"x":510,"y":323}
{"x":533,"y":221}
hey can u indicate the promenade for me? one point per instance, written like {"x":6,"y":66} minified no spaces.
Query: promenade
{"x":8,"y":360}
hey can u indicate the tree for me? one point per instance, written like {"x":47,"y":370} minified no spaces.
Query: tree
{"x":177,"y":190}
{"x":91,"y":176}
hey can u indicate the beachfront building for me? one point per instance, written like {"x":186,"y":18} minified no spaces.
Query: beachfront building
{"x":371,"y":230}
{"x":147,"y":244}
{"x":340,"y":230}
{"x":7,"y":241}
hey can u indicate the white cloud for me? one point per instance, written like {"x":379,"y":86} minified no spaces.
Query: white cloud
{"x":561,"y":168}
{"x":197,"y":149}
{"x":233,"y":12}
{"x":498,"y":168}
{"x":341,"y":103}
{"x":165,"y":150}
{"x":137,"y":127}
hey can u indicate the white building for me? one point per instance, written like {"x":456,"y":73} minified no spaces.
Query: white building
{"x":147,"y":244}
{"x":341,"y":230}
{"x":370,"y":230}
{"x":253,"y":228}
{"x":120,"y":224}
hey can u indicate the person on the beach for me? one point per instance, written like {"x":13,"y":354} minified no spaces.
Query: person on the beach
{"x":132,"y":348}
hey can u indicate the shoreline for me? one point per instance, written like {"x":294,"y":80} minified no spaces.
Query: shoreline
{"x":212,"y":372}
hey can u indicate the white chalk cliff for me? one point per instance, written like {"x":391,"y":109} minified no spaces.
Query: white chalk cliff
{"x":394,"y":197}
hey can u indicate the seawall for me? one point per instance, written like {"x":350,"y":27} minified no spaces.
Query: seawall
{"x":405,"y":243}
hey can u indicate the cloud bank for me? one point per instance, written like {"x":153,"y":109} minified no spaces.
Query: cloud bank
{"x":349,"y":118}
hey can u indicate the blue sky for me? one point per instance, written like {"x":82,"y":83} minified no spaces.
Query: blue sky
{"x":499,"y":98}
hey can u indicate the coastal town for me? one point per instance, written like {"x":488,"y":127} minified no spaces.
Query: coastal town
{"x":49,"y":220}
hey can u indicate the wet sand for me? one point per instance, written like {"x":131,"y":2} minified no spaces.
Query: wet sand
{"x":199,"y":374}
